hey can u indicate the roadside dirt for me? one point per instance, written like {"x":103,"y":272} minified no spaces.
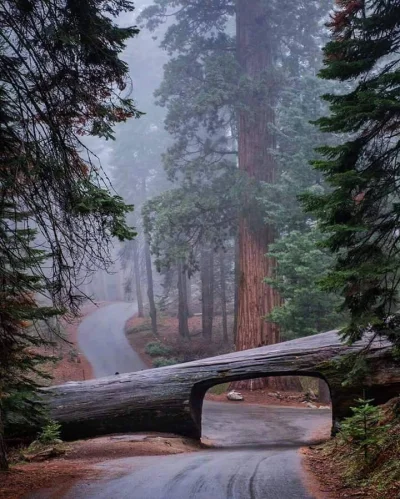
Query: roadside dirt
{"x":61,"y":473}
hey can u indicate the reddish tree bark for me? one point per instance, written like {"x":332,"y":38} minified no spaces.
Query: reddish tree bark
{"x":236,"y":296}
{"x":255,"y":53}
{"x":256,"y":143}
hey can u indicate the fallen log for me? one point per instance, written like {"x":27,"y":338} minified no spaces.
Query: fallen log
{"x":170,"y":399}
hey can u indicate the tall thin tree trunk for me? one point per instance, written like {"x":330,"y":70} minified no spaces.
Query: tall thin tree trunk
{"x":136,"y":266}
{"x":150,"y":288}
{"x":256,"y":143}
{"x":3,"y":454}
{"x":236,"y":294}
{"x":189,"y":296}
{"x":223,"y":295}
{"x":207,"y":291}
{"x":182,"y":302}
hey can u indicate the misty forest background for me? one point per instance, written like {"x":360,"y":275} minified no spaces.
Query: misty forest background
{"x":178,"y":155}
{"x":201,"y":210}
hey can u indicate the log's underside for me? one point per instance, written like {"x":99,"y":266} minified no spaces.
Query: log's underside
{"x":170,"y":399}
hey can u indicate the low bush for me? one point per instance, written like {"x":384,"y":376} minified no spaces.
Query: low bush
{"x":50,"y":433}
{"x":157,"y":349}
{"x":145,"y":327}
{"x":163,"y":362}
{"x":363,"y":432}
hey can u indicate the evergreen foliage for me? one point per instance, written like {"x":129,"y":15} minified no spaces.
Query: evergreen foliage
{"x":306,"y":308}
{"x":61,"y":80}
{"x":363,"y":431}
{"x":50,"y":433}
{"x":20,"y":318}
{"x":360,"y":213}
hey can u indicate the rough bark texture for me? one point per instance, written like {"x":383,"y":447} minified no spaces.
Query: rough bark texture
{"x":3,"y":453}
{"x":223,"y":296}
{"x":170,"y":399}
{"x":256,"y":141}
{"x":207,"y":291}
{"x":183,"y":314}
{"x":150,"y":288}
{"x":136,"y":266}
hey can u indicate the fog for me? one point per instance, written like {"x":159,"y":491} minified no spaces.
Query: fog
{"x":223,"y":146}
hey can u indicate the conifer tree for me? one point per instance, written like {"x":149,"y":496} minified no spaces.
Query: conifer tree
{"x":61,"y":78}
{"x":360,"y":214}
{"x":301,"y":264}
{"x":20,"y":321}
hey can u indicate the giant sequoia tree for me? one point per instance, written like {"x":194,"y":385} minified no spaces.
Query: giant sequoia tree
{"x":230,"y":63}
{"x":361,"y":213}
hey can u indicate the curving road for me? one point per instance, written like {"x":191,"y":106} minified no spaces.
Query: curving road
{"x":101,"y":338}
{"x":256,"y":448}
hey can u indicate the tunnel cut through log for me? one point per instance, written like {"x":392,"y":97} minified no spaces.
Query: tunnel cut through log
{"x":199,"y":391}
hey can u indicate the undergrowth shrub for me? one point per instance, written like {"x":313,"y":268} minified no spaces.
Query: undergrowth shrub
{"x":50,"y":433}
{"x":363,"y":431}
{"x":145,"y":327}
{"x":157,"y":349}
{"x":163,"y":362}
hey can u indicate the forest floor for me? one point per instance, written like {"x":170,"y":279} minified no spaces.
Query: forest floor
{"x":267,"y":397}
{"x":139,"y":334}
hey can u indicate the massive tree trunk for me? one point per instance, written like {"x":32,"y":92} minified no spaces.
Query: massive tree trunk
{"x":136,"y":267}
{"x":182,"y":303}
{"x":170,"y":399}
{"x":256,"y":142}
{"x":150,"y":288}
{"x":255,"y":52}
{"x":223,"y":296}
{"x":207,"y":291}
{"x":3,"y":454}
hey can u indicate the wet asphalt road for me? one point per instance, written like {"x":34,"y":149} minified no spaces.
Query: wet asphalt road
{"x":255,"y":457}
{"x":255,"y":449}
{"x":102,"y":340}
